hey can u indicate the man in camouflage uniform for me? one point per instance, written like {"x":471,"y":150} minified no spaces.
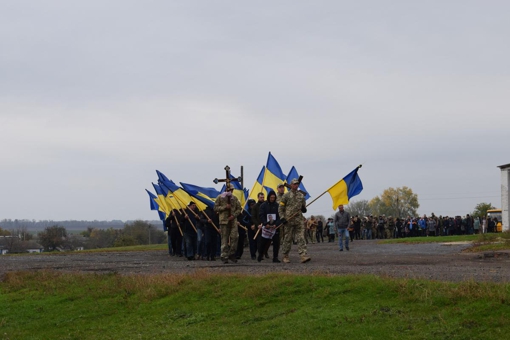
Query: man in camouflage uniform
{"x":390,"y":229}
{"x":227,"y":216}
{"x":374,"y":227}
{"x":292,"y":206}
{"x":311,"y":228}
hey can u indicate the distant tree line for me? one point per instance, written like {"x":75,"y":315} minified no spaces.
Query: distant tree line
{"x":399,"y":202}
{"x":132,"y":234}
{"x":57,"y":237}
{"x":9,"y":224}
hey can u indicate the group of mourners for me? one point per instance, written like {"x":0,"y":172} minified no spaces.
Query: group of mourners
{"x":222,"y":230}
{"x":382,"y":227}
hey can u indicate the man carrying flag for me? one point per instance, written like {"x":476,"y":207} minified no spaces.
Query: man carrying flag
{"x":292,"y":205}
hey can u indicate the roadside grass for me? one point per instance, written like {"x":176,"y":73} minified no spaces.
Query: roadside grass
{"x":491,"y":242}
{"x":143,"y":247}
{"x":205,"y":305}
{"x":431,"y":239}
{"x":480,"y":242}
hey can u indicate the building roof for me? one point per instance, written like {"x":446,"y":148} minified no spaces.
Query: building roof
{"x":15,"y":245}
{"x":502,"y":167}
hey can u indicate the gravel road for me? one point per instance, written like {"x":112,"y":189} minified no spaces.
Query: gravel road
{"x":434,"y":261}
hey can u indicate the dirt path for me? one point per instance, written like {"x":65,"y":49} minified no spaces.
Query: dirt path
{"x":435,"y":261}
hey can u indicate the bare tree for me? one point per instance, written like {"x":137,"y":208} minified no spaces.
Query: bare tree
{"x":360,"y":208}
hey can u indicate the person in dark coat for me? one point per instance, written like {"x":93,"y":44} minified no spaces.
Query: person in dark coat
{"x":190,"y":234}
{"x":270,"y":219}
{"x":211,"y":235}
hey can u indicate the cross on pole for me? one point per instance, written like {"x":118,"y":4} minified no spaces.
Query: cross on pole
{"x":227,"y":180}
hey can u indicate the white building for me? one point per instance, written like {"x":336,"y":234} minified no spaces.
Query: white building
{"x":505,"y":203}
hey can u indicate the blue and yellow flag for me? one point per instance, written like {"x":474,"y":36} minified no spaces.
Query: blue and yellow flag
{"x":346,"y":188}
{"x":273,"y":174}
{"x":163,"y":200}
{"x":181,"y":196}
{"x":205,"y":195}
{"x":257,"y":186}
{"x":155,"y":205}
{"x":294,"y":174}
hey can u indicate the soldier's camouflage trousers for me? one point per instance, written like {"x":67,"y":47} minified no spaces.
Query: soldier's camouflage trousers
{"x":229,"y":237}
{"x":297,"y":229}
{"x":389,"y":233}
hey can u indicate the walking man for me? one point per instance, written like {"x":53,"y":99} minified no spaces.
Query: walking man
{"x":342,"y":221}
{"x":292,"y":206}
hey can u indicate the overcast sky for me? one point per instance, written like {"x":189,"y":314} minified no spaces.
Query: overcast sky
{"x":97,"y":95}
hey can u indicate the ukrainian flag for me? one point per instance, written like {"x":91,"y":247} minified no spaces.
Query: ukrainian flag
{"x":346,"y":188}
{"x":181,"y":196}
{"x":273,"y":174}
{"x":294,"y":174}
{"x":257,"y":186}
{"x":167,"y":198}
{"x":205,"y":195}
{"x":155,"y":205}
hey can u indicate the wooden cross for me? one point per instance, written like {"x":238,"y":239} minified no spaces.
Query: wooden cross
{"x":227,"y":180}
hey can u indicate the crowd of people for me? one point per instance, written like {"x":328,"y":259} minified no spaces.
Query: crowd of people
{"x":221,"y":231}
{"x":226,"y":229}
{"x":382,"y":227}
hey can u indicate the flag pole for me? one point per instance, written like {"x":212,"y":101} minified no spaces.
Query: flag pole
{"x":175,"y":217}
{"x":184,"y":210}
{"x":358,"y":167}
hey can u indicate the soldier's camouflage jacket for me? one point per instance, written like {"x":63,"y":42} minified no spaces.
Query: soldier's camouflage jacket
{"x":290,"y":204}
{"x":220,"y":206}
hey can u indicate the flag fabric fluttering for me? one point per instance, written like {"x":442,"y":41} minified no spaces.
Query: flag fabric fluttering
{"x":269,"y":177}
{"x":181,"y":196}
{"x":170,"y":196}
{"x":346,"y":188}
{"x":257,"y":186}
{"x":161,"y":200}
{"x":155,"y":205}
{"x":205,"y":195}
{"x":273,"y":174}
{"x":165,"y":200}
{"x":294,"y":174}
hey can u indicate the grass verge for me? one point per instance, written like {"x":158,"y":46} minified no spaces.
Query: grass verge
{"x":431,"y":239}
{"x":143,"y":247}
{"x":204,"y":305}
{"x":491,"y":242}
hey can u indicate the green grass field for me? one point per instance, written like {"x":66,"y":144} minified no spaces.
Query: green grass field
{"x":50,"y":305}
